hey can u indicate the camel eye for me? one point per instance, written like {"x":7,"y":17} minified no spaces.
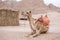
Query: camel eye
{"x":27,"y":12}
{"x":30,"y":11}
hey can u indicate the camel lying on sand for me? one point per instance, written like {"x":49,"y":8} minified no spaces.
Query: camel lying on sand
{"x":37,"y":28}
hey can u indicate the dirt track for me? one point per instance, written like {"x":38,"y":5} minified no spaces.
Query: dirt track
{"x":20,"y":32}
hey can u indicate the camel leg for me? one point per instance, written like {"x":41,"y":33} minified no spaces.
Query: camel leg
{"x":33,"y":29}
{"x":38,"y":31}
{"x":36,"y":34}
{"x":33,"y":32}
{"x":45,"y":29}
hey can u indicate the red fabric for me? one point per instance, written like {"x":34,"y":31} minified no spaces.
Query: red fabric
{"x":46,"y":21}
{"x":39,"y":19}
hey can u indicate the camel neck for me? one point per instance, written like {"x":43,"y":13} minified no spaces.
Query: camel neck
{"x":30,"y":19}
{"x":31,"y":22}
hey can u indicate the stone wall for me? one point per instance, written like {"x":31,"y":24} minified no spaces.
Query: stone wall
{"x":9,"y":17}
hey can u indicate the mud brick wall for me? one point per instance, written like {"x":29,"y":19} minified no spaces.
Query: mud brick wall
{"x":9,"y":17}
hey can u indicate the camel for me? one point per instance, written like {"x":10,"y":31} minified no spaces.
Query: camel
{"x":37,"y":28}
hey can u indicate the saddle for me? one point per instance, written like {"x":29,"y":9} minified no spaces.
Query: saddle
{"x":44,"y":20}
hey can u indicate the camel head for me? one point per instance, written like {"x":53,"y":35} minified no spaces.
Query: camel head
{"x":26,"y":14}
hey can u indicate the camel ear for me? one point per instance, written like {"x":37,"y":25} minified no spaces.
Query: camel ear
{"x":29,"y":11}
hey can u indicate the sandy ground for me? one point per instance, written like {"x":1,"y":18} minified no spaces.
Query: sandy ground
{"x":20,"y":32}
